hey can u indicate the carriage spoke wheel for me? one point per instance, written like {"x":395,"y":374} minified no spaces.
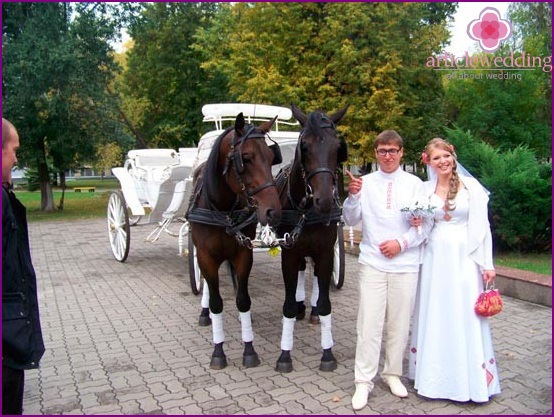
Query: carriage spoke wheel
{"x":133,"y":220}
{"x":194,"y":269}
{"x":119,"y":230}
{"x":337,"y":278}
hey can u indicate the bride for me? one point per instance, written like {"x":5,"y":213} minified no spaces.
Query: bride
{"x":451,"y":353}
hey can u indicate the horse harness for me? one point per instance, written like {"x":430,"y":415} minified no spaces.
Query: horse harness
{"x":236,"y":219}
{"x":304,"y":214}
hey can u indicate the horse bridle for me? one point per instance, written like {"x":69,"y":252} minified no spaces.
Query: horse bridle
{"x":307,"y":176}
{"x":305,"y":213}
{"x":234,"y":158}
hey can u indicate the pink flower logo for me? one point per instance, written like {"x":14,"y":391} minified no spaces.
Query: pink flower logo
{"x":489,"y":30}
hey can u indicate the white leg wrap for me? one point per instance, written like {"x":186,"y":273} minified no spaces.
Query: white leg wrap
{"x":246,"y":325}
{"x":288,"y":333}
{"x":217,"y":328}
{"x":205,"y":302}
{"x":300,"y":287}
{"x":315,"y":292}
{"x":326,"y":332}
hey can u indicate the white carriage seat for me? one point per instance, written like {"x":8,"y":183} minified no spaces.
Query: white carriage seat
{"x":183,"y":188}
{"x":149,"y":169}
{"x":181,"y":197}
{"x":169,"y":192}
{"x":151,"y":163}
{"x":187,"y":156}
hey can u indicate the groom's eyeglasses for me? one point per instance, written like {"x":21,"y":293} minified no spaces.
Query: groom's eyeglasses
{"x":383,"y":152}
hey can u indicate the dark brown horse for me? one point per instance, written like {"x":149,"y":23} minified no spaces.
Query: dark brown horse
{"x":233,"y":191}
{"x":311,"y":212}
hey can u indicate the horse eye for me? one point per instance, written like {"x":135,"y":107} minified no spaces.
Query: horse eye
{"x":246,"y":159}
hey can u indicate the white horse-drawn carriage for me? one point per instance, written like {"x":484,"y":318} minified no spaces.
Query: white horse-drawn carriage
{"x":156,"y":184}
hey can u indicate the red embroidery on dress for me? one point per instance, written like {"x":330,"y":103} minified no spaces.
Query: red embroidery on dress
{"x":491,"y":361}
{"x":414,"y":350}
{"x":490,"y":377}
{"x":483,"y":365}
{"x":389,"y":196}
{"x":405,"y":243}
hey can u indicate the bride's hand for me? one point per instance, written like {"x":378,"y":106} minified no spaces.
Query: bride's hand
{"x":489,"y":275}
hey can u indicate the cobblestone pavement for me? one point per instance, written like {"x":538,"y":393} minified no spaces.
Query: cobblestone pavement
{"x":122,"y":338}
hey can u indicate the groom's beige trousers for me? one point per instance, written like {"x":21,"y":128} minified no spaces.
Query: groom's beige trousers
{"x":386,"y":299}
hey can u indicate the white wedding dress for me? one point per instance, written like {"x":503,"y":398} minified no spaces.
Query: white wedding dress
{"x":451,"y":353}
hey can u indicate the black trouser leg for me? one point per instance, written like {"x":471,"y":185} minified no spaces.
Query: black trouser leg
{"x":12,"y":390}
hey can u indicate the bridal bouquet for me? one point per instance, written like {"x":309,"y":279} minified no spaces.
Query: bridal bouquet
{"x":417,"y":210}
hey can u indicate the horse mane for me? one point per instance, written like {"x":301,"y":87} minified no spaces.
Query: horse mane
{"x":312,"y":126}
{"x":312,"y":123}
{"x":211,"y":181}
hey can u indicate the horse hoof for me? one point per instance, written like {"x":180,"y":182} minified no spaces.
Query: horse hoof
{"x":328,"y":366}
{"x":204,"y":321}
{"x":218,"y":362}
{"x":250,"y":361}
{"x":314,"y":319}
{"x":283,"y":367}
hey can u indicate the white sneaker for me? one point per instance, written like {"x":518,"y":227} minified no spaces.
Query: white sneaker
{"x":396,"y":387}
{"x":359,"y":400}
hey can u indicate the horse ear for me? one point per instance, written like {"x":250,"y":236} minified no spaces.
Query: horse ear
{"x":239,"y":122}
{"x":266,"y":126}
{"x":298,"y":114}
{"x":339,"y":115}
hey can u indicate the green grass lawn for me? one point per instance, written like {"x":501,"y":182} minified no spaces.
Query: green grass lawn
{"x":535,"y":262}
{"x":80,"y":206}
{"x":77,"y":206}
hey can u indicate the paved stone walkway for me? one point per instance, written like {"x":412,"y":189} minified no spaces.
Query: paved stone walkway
{"x":122,"y":338}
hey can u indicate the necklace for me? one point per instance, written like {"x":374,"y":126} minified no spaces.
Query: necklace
{"x":446,"y":216}
{"x":442,"y":192}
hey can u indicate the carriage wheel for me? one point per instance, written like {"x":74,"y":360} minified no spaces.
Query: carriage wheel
{"x":194,"y":269}
{"x":119,"y":230}
{"x":133,"y":220}
{"x":337,"y":277}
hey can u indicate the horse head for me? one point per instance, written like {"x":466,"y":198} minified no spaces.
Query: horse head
{"x":245,"y":161}
{"x":319,"y":153}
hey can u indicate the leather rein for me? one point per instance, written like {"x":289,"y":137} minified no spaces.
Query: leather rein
{"x":237,"y":218}
{"x":303,"y":213}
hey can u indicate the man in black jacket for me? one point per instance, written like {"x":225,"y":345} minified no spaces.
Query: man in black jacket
{"x":22,"y":344}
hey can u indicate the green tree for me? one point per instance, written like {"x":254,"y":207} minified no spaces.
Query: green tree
{"x":322,"y":55}
{"x":164,"y":84}
{"x":532,"y":24}
{"x":520,"y":203}
{"x":505,"y":113}
{"x":56,"y":65}
{"x":516,"y":110}
{"x":108,"y":155}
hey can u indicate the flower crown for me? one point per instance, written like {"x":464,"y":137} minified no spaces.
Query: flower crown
{"x":424,"y":158}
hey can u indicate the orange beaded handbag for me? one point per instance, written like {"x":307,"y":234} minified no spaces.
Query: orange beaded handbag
{"x":489,"y":303}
